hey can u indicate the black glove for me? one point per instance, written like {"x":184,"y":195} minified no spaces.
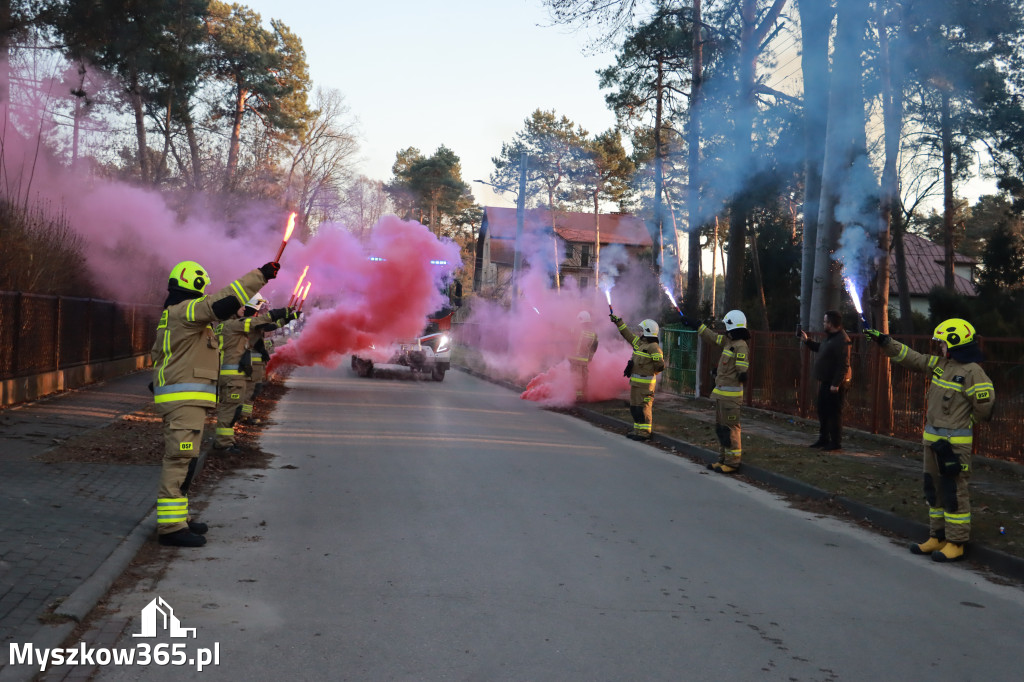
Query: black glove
{"x":278,"y":314}
{"x":743,"y":377}
{"x":265,"y":355}
{"x":876,"y":336}
{"x":269,"y":270}
{"x":628,"y":372}
{"x":245,"y":364}
{"x":690,"y":323}
{"x":150,"y":387}
{"x":949,"y":463}
{"x":294,"y":315}
{"x":714,"y":372}
{"x":616,"y":320}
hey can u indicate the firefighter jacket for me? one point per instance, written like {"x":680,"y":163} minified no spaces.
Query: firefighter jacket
{"x":958,"y":396}
{"x":735,"y":360}
{"x":832,"y":365}
{"x":234,"y":342}
{"x":254,"y":343}
{"x":186,"y":353}
{"x":584,"y":346}
{"x":648,"y":360}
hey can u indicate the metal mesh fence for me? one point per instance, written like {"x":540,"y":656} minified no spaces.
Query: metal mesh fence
{"x":45,"y":333}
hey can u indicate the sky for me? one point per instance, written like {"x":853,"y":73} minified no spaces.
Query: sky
{"x":461,"y":73}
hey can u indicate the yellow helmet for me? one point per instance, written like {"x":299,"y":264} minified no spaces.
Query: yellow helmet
{"x":954,"y":332}
{"x":189,"y":276}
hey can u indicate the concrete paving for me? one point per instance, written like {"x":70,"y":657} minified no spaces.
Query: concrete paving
{"x":69,"y":528}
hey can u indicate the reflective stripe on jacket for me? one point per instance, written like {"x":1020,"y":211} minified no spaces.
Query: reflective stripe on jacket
{"x":735,"y":360}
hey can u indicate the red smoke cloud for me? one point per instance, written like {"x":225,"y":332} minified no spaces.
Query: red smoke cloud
{"x":368,"y":302}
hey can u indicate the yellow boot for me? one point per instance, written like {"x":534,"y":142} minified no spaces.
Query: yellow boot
{"x":950,"y":552}
{"x":931,"y":545}
{"x":723,"y":468}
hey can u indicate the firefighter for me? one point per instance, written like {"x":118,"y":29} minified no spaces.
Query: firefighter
{"x":256,"y":355}
{"x":185,"y":369}
{"x":730,"y":377}
{"x":235,"y":370}
{"x":959,"y":395}
{"x":584,"y":347}
{"x":642,"y":369}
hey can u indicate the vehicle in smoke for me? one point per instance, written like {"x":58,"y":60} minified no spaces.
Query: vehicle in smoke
{"x":430,"y":353}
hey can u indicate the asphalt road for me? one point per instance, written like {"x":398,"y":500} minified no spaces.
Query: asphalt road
{"x":425,"y":531}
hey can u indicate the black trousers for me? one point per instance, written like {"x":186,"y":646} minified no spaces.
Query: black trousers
{"x":830,"y":413}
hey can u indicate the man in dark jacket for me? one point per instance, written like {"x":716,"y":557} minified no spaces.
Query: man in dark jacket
{"x":832,"y":370}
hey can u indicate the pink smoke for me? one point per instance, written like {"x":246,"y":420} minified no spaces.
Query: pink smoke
{"x":368,"y":302}
{"x":530,"y":341}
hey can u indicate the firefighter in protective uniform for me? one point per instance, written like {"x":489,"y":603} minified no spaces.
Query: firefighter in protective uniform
{"x":584,"y":346}
{"x":960,"y":394}
{"x":235,"y":369}
{"x":730,"y":377}
{"x":185,"y":370}
{"x":257,"y":356}
{"x":642,"y":369}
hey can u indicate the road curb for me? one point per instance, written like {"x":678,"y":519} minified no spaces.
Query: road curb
{"x":998,"y":562}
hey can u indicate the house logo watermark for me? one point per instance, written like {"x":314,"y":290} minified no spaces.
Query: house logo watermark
{"x":158,"y":616}
{"x":156,"y":620}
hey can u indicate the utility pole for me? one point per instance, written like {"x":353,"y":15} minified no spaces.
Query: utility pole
{"x":520,"y":220}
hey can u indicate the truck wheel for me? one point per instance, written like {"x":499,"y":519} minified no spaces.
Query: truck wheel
{"x":363,"y":368}
{"x":437,"y":373}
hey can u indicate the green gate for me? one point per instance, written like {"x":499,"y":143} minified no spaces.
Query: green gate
{"x":680,"y":347}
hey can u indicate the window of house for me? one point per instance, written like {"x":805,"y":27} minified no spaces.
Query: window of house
{"x":569,"y":250}
{"x":584,"y":282}
{"x":585,"y":255}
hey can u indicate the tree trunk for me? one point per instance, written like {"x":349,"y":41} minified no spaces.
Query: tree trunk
{"x":193,"y":148}
{"x":843,"y":136}
{"x":759,"y":279}
{"x":140,"y":123}
{"x":236,"y":139}
{"x":691,"y":301}
{"x":892,"y":117}
{"x":744,"y":151}
{"x":714,"y":266}
{"x":947,"y":192}
{"x":906,"y":314}
{"x":816,"y":24}
{"x":658,"y":234}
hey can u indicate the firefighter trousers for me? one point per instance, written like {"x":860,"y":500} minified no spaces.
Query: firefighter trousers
{"x":727,"y":428}
{"x":183,"y":434}
{"x":229,"y":401}
{"x":580,"y":376}
{"x":641,"y":406}
{"x":948,"y":497}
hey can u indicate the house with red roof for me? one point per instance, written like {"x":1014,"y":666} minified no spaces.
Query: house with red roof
{"x":925,"y":263}
{"x":566,"y":237}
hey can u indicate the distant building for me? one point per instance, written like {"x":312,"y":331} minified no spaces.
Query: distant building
{"x":925,"y":262}
{"x":572,"y":239}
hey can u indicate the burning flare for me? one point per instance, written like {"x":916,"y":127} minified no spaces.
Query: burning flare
{"x":287,"y":234}
{"x":851,"y":288}
{"x":298,"y":288}
{"x":304,"y":295}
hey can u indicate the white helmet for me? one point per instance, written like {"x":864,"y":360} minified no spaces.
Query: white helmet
{"x":735,"y":319}
{"x":256,"y":301}
{"x":583,"y":317}
{"x":649,"y":328}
